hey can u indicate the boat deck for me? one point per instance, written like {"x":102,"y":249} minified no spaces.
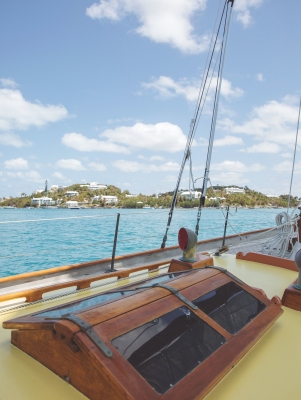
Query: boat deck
{"x":270,"y":370}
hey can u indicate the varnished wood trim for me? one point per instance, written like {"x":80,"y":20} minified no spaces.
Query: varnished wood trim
{"x":110,"y":310}
{"x":37,"y":294}
{"x":292,"y":297}
{"x":266,"y":259}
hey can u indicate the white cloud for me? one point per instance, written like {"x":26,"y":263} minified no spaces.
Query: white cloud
{"x":228,"y":141}
{"x":167,"y":88}
{"x":273,"y":122}
{"x":156,"y":158}
{"x":260,"y":78}
{"x":163,"y":136}
{"x":159,"y":137}
{"x":11,"y":139}
{"x":97,"y":166}
{"x":134,"y":166}
{"x":171,"y":178}
{"x":58,"y":175}
{"x":17,"y":163}
{"x":242,"y":8}
{"x":80,"y":142}
{"x":162,"y":21}
{"x":8,"y":82}
{"x":229,"y":178}
{"x":18,"y":113}
{"x":286,"y":166}
{"x":287,"y":155}
{"x":264,"y":147}
{"x":236,"y":166}
{"x":33,"y":176}
{"x":70,"y":163}
{"x":152,"y":158}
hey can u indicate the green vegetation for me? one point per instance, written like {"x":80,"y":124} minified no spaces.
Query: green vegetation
{"x":215,"y":197}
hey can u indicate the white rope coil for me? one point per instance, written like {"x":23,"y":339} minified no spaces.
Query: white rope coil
{"x":287,"y":230}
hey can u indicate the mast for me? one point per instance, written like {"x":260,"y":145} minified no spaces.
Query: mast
{"x":214,"y":119}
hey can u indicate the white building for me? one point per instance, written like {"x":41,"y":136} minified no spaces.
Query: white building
{"x":231,"y":190}
{"x":42,"y":201}
{"x":131,"y":195}
{"x":72,"y":204}
{"x":71,"y":193}
{"x":191,"y":195}
{"x":94,"y":186}
{"x":272,"y":196}
{"x":54,"y":188}
{"x":110,"y":199}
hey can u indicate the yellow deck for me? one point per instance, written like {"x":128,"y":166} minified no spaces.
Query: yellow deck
{"x":271,"y":370}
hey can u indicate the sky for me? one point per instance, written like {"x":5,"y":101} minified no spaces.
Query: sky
{"x":105,"y":92}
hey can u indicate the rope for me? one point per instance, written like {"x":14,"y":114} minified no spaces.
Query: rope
{"x":286,"y":231}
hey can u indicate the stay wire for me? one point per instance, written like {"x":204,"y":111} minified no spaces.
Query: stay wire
{"x":211,"y":136}
{"x":293,"y":167}
{"x":205,"y":67}
{"x":189,"y":140}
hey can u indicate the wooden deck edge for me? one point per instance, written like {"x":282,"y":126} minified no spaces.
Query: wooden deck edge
{"x":269,"y":260}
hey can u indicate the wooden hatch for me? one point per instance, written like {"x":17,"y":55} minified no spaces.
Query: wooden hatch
{"x":173,"y":336}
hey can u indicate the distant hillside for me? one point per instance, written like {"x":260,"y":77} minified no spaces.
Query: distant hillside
{"x":215,"y":198}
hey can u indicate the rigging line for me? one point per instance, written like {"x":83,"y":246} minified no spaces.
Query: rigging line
{"x":293,"y":167}
{"x":212,"y":129}
{"x":208,"y":88}
{"x":230,"y":224}
{"x":250,"y":239}
{"x":208,"y":69}
{"x":205,"y":67}
{"x":189,"y":143}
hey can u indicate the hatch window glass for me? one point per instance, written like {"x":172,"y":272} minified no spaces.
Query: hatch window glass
{"x":166,"y":349}
{"x":230,"y":306}
{"x":102,"y":298}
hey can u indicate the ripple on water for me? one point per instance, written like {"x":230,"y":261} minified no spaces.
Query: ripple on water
{"x":37,"y":245}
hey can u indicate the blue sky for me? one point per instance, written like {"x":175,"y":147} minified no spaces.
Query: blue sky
{"x":105,"y":92}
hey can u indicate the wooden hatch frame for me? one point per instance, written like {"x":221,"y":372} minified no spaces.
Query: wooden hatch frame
{"x":63,"y":347}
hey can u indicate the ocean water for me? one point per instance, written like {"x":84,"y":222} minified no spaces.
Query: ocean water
{"x":35,"y":239}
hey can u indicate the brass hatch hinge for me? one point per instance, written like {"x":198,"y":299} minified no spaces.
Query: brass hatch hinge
{"x":90,"y":332}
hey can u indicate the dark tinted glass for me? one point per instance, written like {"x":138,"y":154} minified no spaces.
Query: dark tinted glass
{"x":166,"y":349}
{"x":102,"y":298}
{"x":230,"y":306}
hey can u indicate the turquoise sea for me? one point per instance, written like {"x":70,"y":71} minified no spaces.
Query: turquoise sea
{"x":35,"y":239}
